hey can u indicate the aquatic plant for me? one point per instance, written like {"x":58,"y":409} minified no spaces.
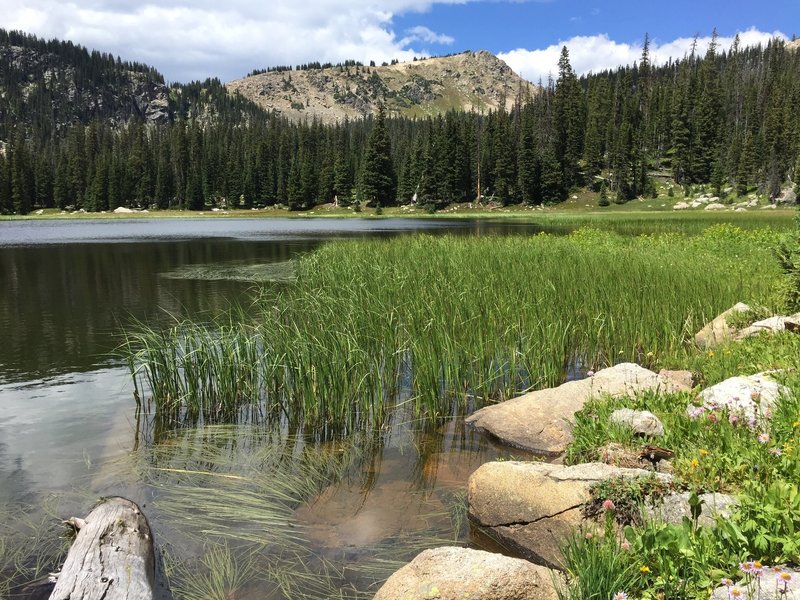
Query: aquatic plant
{"x":445,"y":324}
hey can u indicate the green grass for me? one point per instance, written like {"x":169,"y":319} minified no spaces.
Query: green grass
{"x":442,"y":325}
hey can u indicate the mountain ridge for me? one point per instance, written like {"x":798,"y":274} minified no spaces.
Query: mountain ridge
{"x":466,"y":81}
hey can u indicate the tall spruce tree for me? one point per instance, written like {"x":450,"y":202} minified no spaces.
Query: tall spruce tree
{"x":377,"y":180}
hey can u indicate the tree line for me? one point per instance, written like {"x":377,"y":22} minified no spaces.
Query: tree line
{"x":726,"y":118}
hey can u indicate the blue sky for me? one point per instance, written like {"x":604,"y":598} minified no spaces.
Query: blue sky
{"x":194,"y":39}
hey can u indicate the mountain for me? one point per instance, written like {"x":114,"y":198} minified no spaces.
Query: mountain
{"x":468,"y":81}
{"x":53,"y":84}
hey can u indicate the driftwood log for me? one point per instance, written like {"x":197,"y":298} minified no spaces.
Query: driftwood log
{"x":112,"y":557}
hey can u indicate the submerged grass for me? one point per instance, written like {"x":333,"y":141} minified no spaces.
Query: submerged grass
{"x":240,"y":535}
{"x":445,"y":324}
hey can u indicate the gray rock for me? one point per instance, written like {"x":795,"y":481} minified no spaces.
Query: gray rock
{"x":532,"y":507}
{"x":674,"y":507}
{"x":718,"y":330}
{"x":715,"y":206}
{"x":122,"y":210}
{"x":788,"y":196}
{"x":540,"y":421}
{"x":681,"y":206}
{"x":753,"y":398}
{"x":770,"y":325}
{"x":681,"y":377}
{"x":769,"y":589}
{"x":451,"y":573}
{"x":642,"y":422}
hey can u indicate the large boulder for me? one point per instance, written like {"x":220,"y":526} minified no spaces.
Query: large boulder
{"x":718,"y":330}
{"x":715,"y":206}
{"x":774,"y":582}
{"x":540,"y":421}
{"x":532,"y":507}
{"x":770,"y":325}
{"x":753,"y":398}
{"x":452,"y":573}
{"x":674,"y":507}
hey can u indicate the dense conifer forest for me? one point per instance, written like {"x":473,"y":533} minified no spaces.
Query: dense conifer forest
{"x":78,"y":130}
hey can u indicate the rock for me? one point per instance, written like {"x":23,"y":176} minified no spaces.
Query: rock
{"x":752,"y":398}
{"x":788,"y":196}
{"x":715,"y":206}
{"x":122,"y":210}
{"x":718,"y":331}
{"x":770,"y":587}
{"x":700,"y":200}
{"x":540,"y":421}
{"x":532,"y":507}
{"x":642,"y":422}
{"x":740,"y":209}
{"x":674,"y":507}
{"x":680,"y":206}
{"x":771,"y":325}
{"x":768,"y":206}
{"x":681,"y":377}
{"x":39,"y":212}
{"x":451,"y":573}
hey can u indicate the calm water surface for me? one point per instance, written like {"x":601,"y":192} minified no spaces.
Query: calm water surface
{"x":68,"y":425}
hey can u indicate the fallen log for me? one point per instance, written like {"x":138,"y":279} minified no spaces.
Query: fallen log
{"x":112,"y":556}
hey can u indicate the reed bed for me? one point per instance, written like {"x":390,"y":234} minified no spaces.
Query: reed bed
{"x":445,"y":324}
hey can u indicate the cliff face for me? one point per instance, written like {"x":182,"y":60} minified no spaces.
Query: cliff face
{"x":469,"y":81}
{"x":76,"y":86}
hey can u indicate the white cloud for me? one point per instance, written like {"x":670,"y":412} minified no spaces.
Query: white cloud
{"x":595,"y":53}
{"x":423,"y":34}
{"x":194,"y":39}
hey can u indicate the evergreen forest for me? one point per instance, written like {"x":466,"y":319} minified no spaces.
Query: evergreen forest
{"x":74,"y":136}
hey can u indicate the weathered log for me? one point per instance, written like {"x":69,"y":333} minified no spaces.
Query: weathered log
{"x":111,"y":558}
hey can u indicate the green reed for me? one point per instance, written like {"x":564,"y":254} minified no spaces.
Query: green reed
{"x":448,"y":323}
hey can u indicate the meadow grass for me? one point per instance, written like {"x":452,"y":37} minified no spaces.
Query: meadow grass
{"x":446,"y":324}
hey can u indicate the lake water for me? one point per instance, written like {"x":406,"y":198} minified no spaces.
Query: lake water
{"x":69,"y":431}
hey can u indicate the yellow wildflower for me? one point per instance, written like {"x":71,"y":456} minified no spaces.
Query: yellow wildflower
{"x":702,"y":452}
{"x":695,"y":463}
{"x":644,"y":569}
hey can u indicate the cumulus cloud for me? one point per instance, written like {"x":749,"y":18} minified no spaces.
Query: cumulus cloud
{"x":593,"y":53}
{"x":421,"y":33}
{"x":194,"y":39}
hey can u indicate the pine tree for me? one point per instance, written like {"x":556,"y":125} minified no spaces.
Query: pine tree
{"x":377,"y":181}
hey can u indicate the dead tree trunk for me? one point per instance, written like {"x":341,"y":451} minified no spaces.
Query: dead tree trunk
{"x":112,"y":558}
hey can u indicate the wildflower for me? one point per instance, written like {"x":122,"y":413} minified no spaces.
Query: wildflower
{"x":702,"y":452}
{"x":620,"y":596}
{"x":775,"y":451}
{"x":726,"y":582}
{"x":694,"y":411}
{"x":787,"y":447}
{"x":644,"y":569}
{"x":625,"y":545}
{"x":589,"y":373}
{"x":763,"y":437}
{"x":608,"y":504}
{"x":712,"y":417}
{"x":784,"y":577}
{"x":695,"y":463}
{"x":733,"y":418}
{"x":735,"y":592}
{"x":589,"y":535}
{"x":746,"y":567}
{"x":796,"y":424}
{"x":710,"y":354}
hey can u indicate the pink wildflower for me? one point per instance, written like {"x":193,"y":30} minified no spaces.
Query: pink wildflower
{"x":608,"y":504}
{"x":763,"y":437}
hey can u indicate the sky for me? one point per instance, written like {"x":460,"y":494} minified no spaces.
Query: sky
{"x":195,"y":39}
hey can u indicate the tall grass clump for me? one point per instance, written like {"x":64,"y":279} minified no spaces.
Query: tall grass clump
{"x":440,"y":325}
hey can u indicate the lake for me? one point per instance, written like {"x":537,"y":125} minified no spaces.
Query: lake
{"x":353,"y":509}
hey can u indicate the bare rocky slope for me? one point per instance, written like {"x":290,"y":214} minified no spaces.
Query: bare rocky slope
{"x":468,"y":81}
